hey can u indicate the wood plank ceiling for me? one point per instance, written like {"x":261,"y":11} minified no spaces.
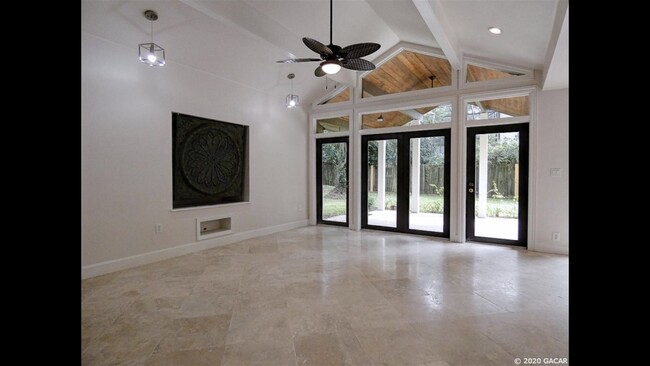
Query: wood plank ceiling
{"x":517,"y":106}
{"x":407,"y":71}
{"x":392,"y":119}
{"x":513,"y":106}
{"x":343,"y":96}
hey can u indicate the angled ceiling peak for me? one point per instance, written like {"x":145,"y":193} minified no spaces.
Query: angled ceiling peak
{"x":556,"y":66}
{"x":435,"y":19}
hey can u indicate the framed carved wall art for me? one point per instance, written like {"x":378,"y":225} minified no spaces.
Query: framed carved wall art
{"x":210,"y":160}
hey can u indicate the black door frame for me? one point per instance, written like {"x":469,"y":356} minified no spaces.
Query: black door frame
{"x":523,"y":129}
{"x":319,"y":180}
{"x":404,"y":180}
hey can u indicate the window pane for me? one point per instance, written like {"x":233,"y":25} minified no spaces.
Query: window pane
{"x":478,"y":73}
{"x":408,"y":117}
{"x":343,"y":96}
{"x":335,"y":124}
{"x":382,"y":183}
{"x":334,"y":181}
{"x":427,"y":170}
{"x":497,"y":185}
{"x":407,"y":71}
{"x":497,"y":108}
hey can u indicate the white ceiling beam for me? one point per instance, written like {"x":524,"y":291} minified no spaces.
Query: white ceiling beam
{"x":250,"y":21}
{"x":412,"y":113}
{"x":556,"y":65}
{"x":434,"y":17}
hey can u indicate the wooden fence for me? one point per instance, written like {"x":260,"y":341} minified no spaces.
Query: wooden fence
{"x":502,"y":174}
{"x":430,"y":174}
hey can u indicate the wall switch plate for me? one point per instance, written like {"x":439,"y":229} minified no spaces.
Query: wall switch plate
{"x":158,"y":228}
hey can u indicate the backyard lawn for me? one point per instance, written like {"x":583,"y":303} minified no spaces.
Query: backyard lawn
{"x":432,"y":203}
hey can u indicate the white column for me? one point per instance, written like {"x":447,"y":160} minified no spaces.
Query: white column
{"x":415,"y":175}
{"x":482,"y":175}
{"x":381,"y":175}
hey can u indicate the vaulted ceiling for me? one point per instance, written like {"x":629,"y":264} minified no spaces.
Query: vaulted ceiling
{"x":240,"y":40}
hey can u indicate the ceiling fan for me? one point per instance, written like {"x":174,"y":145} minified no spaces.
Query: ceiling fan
{"x":334,"y":57}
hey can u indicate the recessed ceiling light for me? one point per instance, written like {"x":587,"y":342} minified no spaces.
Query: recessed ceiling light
{"x":495,"y":30}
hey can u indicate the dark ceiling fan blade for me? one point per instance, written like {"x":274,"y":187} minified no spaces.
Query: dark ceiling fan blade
{"x":296,"y":60}
{"x":317,"y":47}
{"x":348,"y":57}
{"x":357,"y":64}
{"x":319,"y":71}
{"x":359,"y":50}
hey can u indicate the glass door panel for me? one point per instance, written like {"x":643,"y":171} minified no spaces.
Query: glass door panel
{"x":497,"y":172}
{"x":381,"y":189}
{"x":404,"y":176}
{"x":427,"y":184}
{"x":332,"y":181}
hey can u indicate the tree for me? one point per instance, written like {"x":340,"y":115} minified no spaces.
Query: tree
{"x":337,"y":155}
{"x":503,"y":148}
{"x":432,"y":150}
{"x":439,"y":114}
{"x":391,"y":152}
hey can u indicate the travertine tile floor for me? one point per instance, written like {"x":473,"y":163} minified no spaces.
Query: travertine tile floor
{"x":331,"y":296}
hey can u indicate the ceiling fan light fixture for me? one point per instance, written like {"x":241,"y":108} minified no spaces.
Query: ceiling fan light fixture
{"x":336,"y":57}
{"x":331,"y":66}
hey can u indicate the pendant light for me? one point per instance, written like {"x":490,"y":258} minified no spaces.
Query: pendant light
{"x":150,"y":53}
{"x":292,"y":99}
{"x":432,"y":78}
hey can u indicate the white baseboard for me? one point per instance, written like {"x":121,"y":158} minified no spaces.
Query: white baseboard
{"x":158,"y":255}
{"x":551,"y":248}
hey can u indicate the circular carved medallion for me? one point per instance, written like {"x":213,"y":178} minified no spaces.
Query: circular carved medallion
{"x":210,"y":160}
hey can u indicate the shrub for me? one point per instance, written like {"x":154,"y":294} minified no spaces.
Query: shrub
{"x":372,"y":200}
{"x":494,"y":192}
{"x":390,"y":203}
{"x":436,"y":189}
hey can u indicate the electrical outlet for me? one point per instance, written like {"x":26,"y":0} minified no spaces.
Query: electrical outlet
{"x":158,"y":228}
{"x":556,"y":236}
{"x":556,"y":172}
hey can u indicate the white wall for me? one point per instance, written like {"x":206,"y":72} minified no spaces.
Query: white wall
{"x":127,"y":157}
{"x":552,"y":193}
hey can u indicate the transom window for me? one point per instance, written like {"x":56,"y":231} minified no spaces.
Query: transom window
{"x":407,"y":71}
{"x":408,"y":117}
{"x":342,"y":96}
{"x":335,"y":124}
{"x":497,"y":108}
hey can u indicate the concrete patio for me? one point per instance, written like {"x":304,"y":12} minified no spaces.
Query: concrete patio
{"x":491,"y":227}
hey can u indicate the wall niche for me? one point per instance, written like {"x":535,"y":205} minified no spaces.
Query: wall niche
{"x":210,"y":161}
